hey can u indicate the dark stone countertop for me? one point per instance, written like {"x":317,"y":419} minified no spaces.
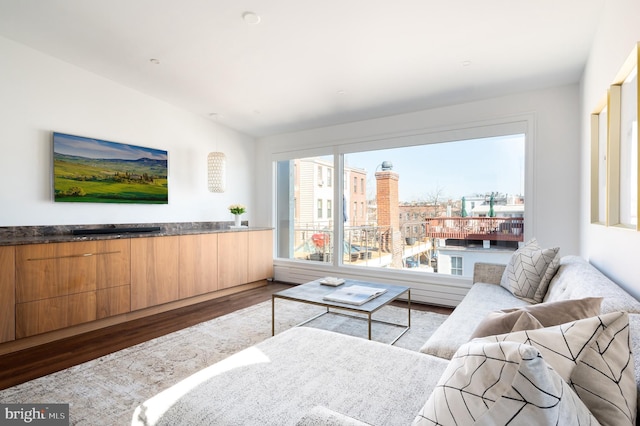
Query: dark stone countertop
{"x":20,"y":235}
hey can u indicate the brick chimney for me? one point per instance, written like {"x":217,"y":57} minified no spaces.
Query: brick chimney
{"x":387,"y":199}
{"x":389,"y":212}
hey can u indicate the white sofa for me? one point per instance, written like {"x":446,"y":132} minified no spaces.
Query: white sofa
{"x":575,"y":279}
{"x":314,"y":377}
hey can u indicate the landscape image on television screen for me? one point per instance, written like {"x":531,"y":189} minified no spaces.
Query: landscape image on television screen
{"x":89,"y":170}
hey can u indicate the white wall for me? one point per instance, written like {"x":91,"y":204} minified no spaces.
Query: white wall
{"x":555,"y":163}
{"x":614,"y":251}
{"x":470,"y":258}
{"x":40,"y":94}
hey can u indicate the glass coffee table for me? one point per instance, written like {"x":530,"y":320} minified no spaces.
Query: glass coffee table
{"x":314,"y":292}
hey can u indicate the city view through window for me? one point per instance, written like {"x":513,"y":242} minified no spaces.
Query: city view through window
{"x":434,"y":208}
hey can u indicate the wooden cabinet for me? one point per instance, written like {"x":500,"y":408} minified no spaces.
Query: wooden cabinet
{"x":54,"y":313}
{"x":57,"y":284}
{"x":260,"y":255}
{"x":232,"y":259}
{"x":113,"y":301}
{"x":48,"y":287}
{"x":51,"y":270}
{"x":198,"y":264}
{"x":154,"y":271}
{"x":244,"y":257}
{"x":8,"y":294}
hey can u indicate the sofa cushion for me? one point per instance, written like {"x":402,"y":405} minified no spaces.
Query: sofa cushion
{"x":576,"y":278}
{"x":547,"y":314}
{"x":530,"y":270}
{"x":456,"y":330}
{"x":502,"y":383}
{"x":593,"y":355}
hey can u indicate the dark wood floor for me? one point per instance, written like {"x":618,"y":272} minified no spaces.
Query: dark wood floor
{"x":28,"y":364}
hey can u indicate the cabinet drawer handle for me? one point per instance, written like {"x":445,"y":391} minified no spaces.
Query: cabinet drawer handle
{"x":73,"y":255}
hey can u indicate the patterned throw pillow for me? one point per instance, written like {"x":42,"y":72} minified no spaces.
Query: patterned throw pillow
{"x":593,"y":355}
{"x":530,"y":270}
{"x":502,"y":383}
{"x":604,"y":378}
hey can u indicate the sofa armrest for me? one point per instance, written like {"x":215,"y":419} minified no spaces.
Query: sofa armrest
{"x":323,"y":416}
{"x":490,"y":273}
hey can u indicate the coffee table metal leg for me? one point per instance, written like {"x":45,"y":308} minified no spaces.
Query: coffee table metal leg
{"x":369,"y":325}
{"x":273,"y":316}
{"x":409,"y":308}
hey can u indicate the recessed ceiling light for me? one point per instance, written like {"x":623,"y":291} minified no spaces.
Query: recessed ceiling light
{"x":466,"y":63}
{"x":154,"y":61}
{"x":251,"y":18}
{"x":341,"y":92}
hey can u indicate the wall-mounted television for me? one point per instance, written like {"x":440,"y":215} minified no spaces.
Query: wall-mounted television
{"x":89,"y":170}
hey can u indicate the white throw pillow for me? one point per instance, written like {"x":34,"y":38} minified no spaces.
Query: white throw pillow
{"x":502,"y":383}
{"x":530,"y":270}
{"x":593,"y":355}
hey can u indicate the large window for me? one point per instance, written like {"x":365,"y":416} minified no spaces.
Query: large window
{"x":398,"y":207}
{"x":304,"y":231}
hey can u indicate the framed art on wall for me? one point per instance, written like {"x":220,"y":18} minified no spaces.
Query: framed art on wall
{"x":92,"y":170}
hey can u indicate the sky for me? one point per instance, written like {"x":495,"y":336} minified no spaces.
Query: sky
{"x":99,"y":149}
{"x":452,"y":169}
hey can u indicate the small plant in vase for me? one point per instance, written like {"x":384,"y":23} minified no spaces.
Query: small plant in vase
{"x":237,"y":210}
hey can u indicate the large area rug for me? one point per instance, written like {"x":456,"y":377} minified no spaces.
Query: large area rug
{"x":107,"y":390}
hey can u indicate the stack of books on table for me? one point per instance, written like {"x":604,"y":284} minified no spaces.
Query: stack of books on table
{"x":355,"y":294}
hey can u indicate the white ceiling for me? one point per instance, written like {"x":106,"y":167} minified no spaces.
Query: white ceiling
{"x":311,"y":63}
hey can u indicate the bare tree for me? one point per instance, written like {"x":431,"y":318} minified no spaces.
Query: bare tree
{"x":436,"y":198}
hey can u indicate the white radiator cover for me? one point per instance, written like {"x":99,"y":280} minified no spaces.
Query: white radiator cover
{"x":425,"y":288}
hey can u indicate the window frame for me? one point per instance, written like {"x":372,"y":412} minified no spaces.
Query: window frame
{"x":524,"y":123}
{"x":618,"y":141}
{"x":613,"y":199}
{"x":599,"y":149}
{"x":459,"y":269}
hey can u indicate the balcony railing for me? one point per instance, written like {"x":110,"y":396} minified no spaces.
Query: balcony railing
{"x":360,"y":243}
{"x":372,"y":244}
{"x":476,"y":228}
